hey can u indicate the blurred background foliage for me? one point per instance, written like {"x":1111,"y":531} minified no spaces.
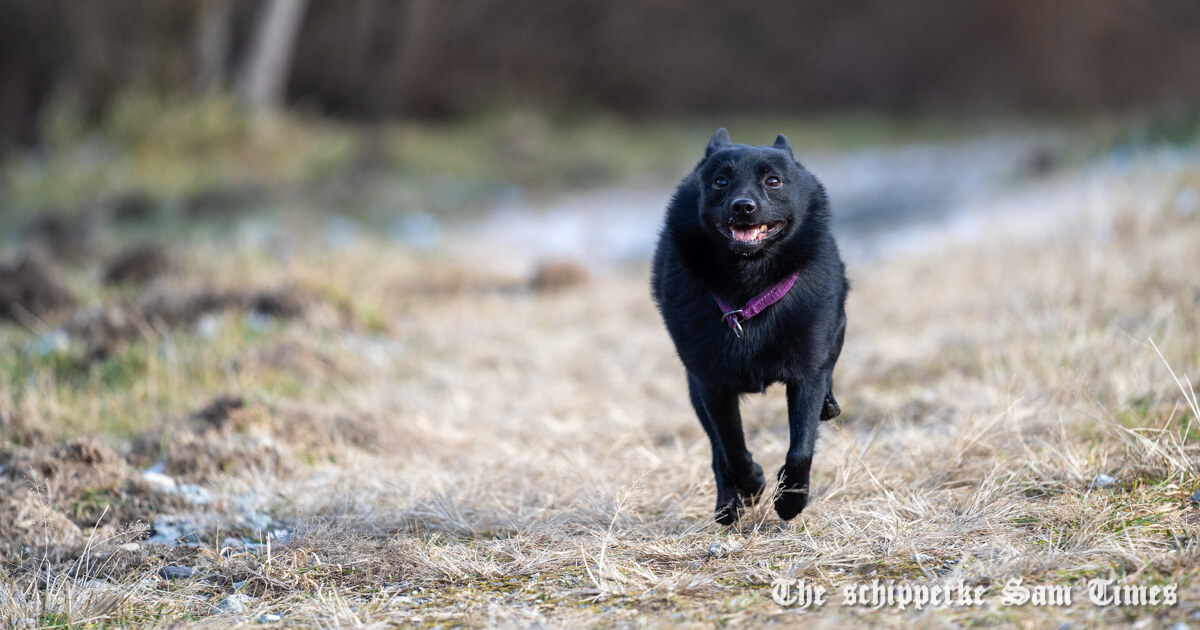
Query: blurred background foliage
{"x":476,"y":100}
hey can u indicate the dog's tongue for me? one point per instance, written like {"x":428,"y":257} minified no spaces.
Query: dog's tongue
{"x":745,"y":234}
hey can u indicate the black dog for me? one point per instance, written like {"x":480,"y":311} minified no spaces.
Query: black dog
{"x":750,"y":226}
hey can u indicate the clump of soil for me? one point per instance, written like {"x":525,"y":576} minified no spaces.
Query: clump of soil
{"x":139,"y":265}
{"x":556,"y":275}
{"x":31,"y":288}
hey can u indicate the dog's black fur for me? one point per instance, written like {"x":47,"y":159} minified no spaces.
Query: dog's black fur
{"x":796,"y":341}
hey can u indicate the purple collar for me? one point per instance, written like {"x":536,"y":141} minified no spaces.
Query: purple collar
{"x":757,"y":304}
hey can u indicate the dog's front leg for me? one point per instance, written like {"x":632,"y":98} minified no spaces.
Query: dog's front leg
{"x":736,"y":474}
{"x":805,"y":401}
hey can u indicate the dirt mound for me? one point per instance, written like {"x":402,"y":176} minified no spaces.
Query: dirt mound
{"x":31,"y":289}
{"x":321,"y":430}
{"x":51,"y":495}
{"x":66,"y":238}
{"x":174,"y":307}
{"x":139,"y":265}
{"x":30,"y":525}
{"x":106,"y":330}
{"x":221,"y":202}
{"x":207,"y":455}
{"x":223,"y":437}
{"x":229,"y":436}
{"x":293,"y":358}
{"x":558,"y":274}
{"x":218,"y":413}
{"x":54,"y":498}
{"x":134,"y":205}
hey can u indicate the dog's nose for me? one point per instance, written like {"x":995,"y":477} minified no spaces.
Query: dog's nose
{"x":744,"y":206}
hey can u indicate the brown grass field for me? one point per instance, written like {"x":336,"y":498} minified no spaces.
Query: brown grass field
{"x":403,"y":438}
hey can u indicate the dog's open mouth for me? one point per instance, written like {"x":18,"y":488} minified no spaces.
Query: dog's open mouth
{"x":752,"y":233}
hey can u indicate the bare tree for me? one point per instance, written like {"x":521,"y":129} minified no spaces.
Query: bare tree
{"x":417,"y":39}
{"x":264,"y":76}
{"x":213,"y":41}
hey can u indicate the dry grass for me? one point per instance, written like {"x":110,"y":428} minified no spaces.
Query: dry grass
{"x":452,"y":448}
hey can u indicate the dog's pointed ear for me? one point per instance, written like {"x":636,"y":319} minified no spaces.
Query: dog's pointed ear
{"x":719,"y":140}
{"x":781,"y":143}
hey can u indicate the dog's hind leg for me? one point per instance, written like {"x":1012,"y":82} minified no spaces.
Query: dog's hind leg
{"x":830,"y":408}
{"x":736,"y":474}
{"x":805,"y":401}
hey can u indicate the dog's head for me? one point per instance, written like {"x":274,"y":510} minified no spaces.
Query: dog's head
{"x":752,"y":198}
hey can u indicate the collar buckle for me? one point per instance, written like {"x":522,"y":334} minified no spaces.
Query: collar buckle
{"x":734,"y":322}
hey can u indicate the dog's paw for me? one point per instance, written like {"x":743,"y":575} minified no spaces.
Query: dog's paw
{"x":729,"y":508}
{"x":793,"y":489}
{"x":790,"y":503}
{"x":751,"y":486}
{"x":830,"y":409}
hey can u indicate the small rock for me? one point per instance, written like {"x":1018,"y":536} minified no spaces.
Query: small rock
{"x":1180,"y":626}
{"x":1195,"y":498}
{"x":131,"y":547}
{"x":56,"y":340}
{"x":1187,"y":202}
{"x":175,"y":572}
{"x":235,"y":604}
{"x":195,"y":494}
{"x":160,"y":481}
{"x":1103,"y":481}
{"x":172,"y":530}
{"x":208,"y":326}
{"x":270,"y":618}
{"x":421,"y":231}
{"x":716,"y":550}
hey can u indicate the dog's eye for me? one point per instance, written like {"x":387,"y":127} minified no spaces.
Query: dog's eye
{"x":773,"y":182}
{"x":720,"y":182}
